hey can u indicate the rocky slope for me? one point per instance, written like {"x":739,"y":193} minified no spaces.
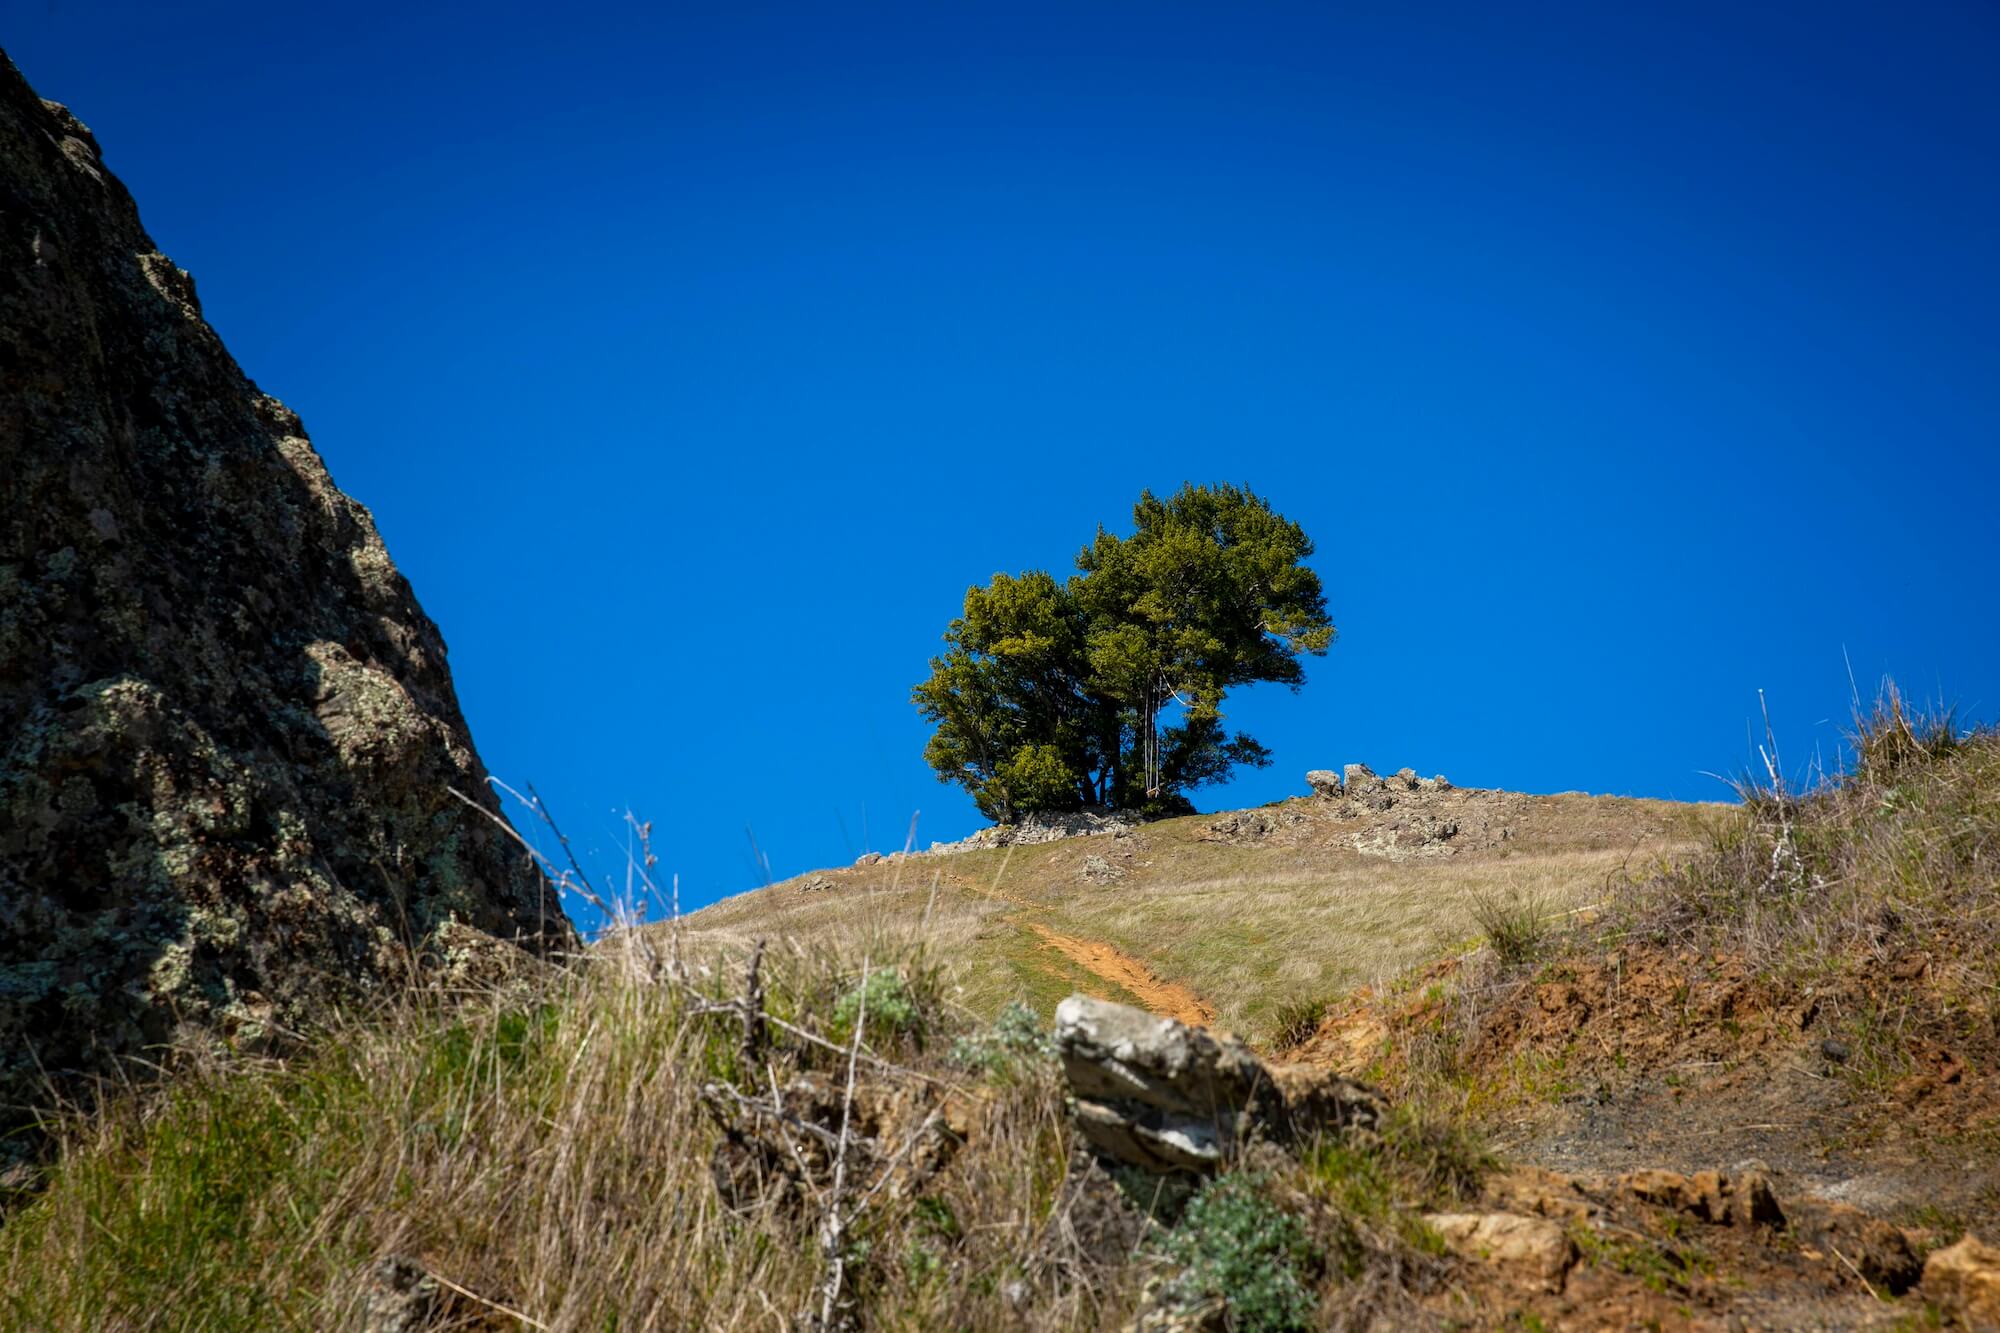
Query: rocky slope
{"x":228,"y":736}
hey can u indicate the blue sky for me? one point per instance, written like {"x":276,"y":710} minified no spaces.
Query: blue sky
{"x":1621,"y":360}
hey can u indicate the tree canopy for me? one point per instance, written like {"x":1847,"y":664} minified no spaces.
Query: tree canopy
{"x":1049,"y":695}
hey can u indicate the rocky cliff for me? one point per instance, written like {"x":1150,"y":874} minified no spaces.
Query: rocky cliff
{"x":228,"y":736}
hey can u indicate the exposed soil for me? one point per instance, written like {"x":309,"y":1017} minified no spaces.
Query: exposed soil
{"x":1165,"y":998}
{"x":1107,"y":962}
{"x":1868,"y":1103}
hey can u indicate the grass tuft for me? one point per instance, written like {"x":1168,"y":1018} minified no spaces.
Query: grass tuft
{"x":1516,"y":926}
{"x":1295,"y":1021}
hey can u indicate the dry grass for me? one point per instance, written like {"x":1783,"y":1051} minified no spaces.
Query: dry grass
{"x":1901,"y":853}
{"x":548,"y":1151}
{"x":546,"y":1154}
{"x":1255,"y":928}
{"x":1516,"y":926}
{"x":1871,"y":900}
{"x":543,"y":1151}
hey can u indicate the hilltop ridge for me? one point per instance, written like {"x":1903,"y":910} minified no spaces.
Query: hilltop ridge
{"x":1244,"y":918}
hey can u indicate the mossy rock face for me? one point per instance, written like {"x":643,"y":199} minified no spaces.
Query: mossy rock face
{"x":228,"y":735}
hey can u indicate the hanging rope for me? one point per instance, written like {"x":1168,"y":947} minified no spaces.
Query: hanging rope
{"x":1151,"y":743}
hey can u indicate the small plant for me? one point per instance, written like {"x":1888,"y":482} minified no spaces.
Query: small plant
{"x":1234,"y":1242}
{"x":1517,"y":926}
{"x":1015,"y":1037}
{"x":934,"y":1217}
{"x":1891,"y":737}
{"x":891,"y":1008}
{"x":922,"y":1265}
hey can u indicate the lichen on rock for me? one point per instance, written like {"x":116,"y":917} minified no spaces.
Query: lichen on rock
{"x":228,"y":735}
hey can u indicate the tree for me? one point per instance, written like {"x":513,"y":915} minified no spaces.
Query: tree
{"x":1049,"y":696}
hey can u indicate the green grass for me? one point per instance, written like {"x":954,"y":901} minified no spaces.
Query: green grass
{"x":1018,"y":968}
{"x":229,"y":1182}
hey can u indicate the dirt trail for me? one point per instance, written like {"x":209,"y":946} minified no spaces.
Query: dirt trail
{"x":1103,"y":961}
{"x":1166,"y":998}
{"x":1106,"y":962}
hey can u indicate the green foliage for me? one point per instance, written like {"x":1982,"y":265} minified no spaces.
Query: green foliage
{"x":1049,"y":695}
{"x":214,"y":1149}
{"x":1234,"y":1242}
{"x":215,"y":1193}
{"x":935,"y":1218}
{"x":891,"y":1008}
{"x":1009,"y":679}
{"x":1015,"y":1038}
{"x":1375,"y":1189}
{"x":1036,"y":777}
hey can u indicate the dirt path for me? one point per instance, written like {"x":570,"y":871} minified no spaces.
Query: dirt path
{"x":1168,"y":999}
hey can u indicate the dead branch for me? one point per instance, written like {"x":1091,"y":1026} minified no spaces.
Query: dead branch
{"x":832,"y":1223}
{"x":753,"y":1007}
{"x":723,"y":1093}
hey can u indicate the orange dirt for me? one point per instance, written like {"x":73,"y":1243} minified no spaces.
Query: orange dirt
{"x":1166,"y":998}
{"x":1106,"y":962}
{"x":1874,"y":1084}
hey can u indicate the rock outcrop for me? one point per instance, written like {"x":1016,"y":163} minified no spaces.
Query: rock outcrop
{"x":1357,"y":780}
{"x":228,"y":736}
{"x":1164,"y":1097}
{"x":1033,"y":830}
{"x":1963,"y":1281}
{"x":1534,"y":1248}
{"x":1360,"y":782}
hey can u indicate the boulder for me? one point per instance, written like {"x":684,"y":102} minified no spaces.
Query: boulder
{"x":1533,"y":1248}
{"x":1963,"y":1281}
{"x":1053,"y":826}
{"x":1242,"y":826}
{"x":229,"y":742}
{"x":1324,"y":782}
{"x":1422,"y":831}
{"x":1740,"y":1199}
{"x":1359,"y":778}
{"x":1156,"y":1094}
{"x":1098,"y":870}
{"x":1880,"y":1251}
{"x":400,"y":1296}
{"x":1407,"y":779}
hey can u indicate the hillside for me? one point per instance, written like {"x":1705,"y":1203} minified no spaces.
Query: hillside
{"x":1749,"y":1087}
{"x":1242,"y":919}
